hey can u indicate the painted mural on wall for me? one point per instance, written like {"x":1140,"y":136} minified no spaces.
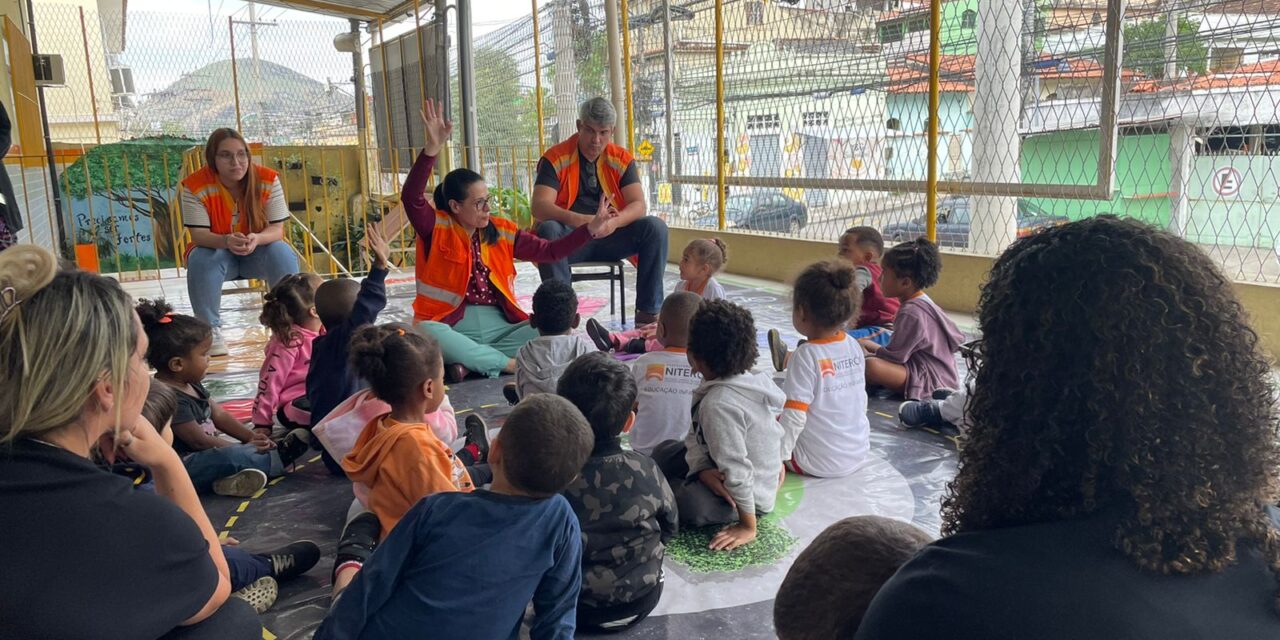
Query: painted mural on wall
{"x":121,"y":199}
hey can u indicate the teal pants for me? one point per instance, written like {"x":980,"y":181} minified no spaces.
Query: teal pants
{"x":482,"y":341}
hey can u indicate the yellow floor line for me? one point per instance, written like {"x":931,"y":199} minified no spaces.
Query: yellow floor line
{"x":276,"y":481}
{"x":267,"y":635}
{"x":487,"y":406}
{"x":231,"y":522}
{"x":458,"y":413}
{"x":222,"y":537}
{"x":258,"y":494}
{"x":243,"y":505}
{"x":884,"y":415}
{"x":315,"y":459}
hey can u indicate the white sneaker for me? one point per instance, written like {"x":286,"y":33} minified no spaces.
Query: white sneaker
{"x":219,"y":346}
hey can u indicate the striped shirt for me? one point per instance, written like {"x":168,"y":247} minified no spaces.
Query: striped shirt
{"x":195,"y":215}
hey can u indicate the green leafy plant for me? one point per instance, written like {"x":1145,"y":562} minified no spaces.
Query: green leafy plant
{"x":513,"y":204}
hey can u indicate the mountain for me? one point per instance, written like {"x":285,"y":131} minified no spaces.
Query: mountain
{"x":277,"y":105}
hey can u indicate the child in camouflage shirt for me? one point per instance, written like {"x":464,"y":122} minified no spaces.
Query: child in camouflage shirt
{"x":624,"y":506}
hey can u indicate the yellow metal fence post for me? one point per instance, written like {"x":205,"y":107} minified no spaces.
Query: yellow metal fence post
{"x":720,"y":157}
{"x":935,"y":65}
{"x":537,"y":77}
{"x":626,"y":74}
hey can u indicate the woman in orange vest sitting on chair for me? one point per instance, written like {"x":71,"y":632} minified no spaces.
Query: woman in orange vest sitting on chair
{"x":466,"y":270}
{"x":235,"y":211}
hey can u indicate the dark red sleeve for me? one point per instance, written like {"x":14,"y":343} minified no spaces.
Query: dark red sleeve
{"x":534,"y":249}
{"x":417,"y":205}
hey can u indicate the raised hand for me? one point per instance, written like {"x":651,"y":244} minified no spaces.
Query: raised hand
{"x":435,"y":127}
{"x":379,"y":248}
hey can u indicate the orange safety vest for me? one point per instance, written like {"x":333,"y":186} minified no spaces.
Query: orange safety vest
{"x":609,"y":169}
{"x":204,"y":185}
{"x":444,"y":272}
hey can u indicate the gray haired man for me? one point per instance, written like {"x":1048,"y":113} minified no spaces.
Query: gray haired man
{"x":586,"y":175}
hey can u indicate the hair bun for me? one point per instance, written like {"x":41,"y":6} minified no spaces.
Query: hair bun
{"x":842,"y":277}
{"x":24,"y":270}
{"x":151,"y":311}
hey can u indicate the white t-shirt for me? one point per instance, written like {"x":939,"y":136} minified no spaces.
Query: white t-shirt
{"x":712,"y":290}
{"x":664,"y":384}
{"x":825,"y":426}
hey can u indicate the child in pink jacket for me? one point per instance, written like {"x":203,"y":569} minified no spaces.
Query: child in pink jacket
{"x":289,"y":312}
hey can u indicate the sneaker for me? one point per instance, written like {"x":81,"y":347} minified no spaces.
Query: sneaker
{"x":599,"y":335}
{"x":293,"y":560}
{"x":241,"y":484}
{"x":915,"y":414}
{"x":477,"y":434}
{"x":455,"y":373}
{"x":261,"y":594}
{"x":943,"y":394}
{"x":510,"y":392}
{"x":293,"y":445}
{"x":219,"y":346}
{"x":777,"y":350}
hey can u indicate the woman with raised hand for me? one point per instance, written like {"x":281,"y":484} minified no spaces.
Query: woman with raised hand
{"x":466,"y":257}
{"x":85,"y":555}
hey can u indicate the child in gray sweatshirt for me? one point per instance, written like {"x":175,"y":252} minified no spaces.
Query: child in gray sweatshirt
{"x":730,"y":464}
{"x":540,"y":362}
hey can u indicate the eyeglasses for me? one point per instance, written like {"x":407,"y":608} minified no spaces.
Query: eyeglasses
{"x":484,"y":203}
{"x":229,"y":156}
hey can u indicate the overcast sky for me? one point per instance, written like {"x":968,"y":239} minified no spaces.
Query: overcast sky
{"x":495,"y":12}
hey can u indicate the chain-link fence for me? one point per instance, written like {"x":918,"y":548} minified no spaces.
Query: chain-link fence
{"x":825,"y":107}
{"x":826,"y":114}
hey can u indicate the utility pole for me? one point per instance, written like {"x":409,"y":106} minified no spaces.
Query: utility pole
{"x":253,"y":41}
{"x":566,"y":69}
{"x":1171,"y":41}
{"x":442,"y":55}
{"x":613,"y":38}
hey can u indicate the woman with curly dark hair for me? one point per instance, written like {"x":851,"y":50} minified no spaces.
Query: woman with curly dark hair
{"x":1123,"y":452}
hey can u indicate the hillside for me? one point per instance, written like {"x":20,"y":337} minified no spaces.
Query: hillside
{"x":281,"y":107}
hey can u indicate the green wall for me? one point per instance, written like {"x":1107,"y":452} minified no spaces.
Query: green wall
{"x":1071,"y":157}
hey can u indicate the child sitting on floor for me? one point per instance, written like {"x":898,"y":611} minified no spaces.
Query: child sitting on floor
{"x":864,"y":247}
{"x":624,"y":506}
{"x":179,"y":352}
{"x":397,"y":459}
{"x":921,"y":356}
{"x":289,"y":311}
{"x":827,"y":434}
{"x":343,"y":306}
{"x":466,"y":565}
{"x":831,"y":584}
{"x":540,"y":361}
{"x":254,"y":576}
{"x":664,"y":379}
{"x":728,"y":467}
{"x":702,"y":259}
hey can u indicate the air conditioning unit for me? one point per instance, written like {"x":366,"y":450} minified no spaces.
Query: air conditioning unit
{"x":48,"y":70}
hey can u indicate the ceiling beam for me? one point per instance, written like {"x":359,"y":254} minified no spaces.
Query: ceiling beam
{"x":348,"y":11}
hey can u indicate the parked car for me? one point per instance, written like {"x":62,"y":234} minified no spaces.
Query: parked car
{"x":954,"y":216}
{"x":758,"y":211}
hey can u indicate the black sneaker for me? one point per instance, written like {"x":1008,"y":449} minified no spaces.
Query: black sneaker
{"x":477,"y":434}
{"x":510,"y":392}
{"x":915,"y":414}
{"x":293,"y":560}
{"x":777,"y":350}
{"x":943,"y":394}
{"x":599,"y":335}
{"x":293,"y":445}
{"x":635,"y":345}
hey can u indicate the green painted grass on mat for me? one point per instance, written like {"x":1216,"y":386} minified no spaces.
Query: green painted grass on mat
{"x":773,"y":540}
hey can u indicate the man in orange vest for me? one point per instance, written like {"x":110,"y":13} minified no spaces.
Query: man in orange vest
{"x":573,"y":177}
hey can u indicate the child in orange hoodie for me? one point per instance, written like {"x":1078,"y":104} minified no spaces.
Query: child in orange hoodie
{"x":398,"y":460}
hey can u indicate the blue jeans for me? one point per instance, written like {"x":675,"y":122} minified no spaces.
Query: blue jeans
{"x":208,"y":268}
{"x":206,"y":466}
{"x":245,"y":567}
{"x":646,"y":237}
{"x":866,"y":332}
